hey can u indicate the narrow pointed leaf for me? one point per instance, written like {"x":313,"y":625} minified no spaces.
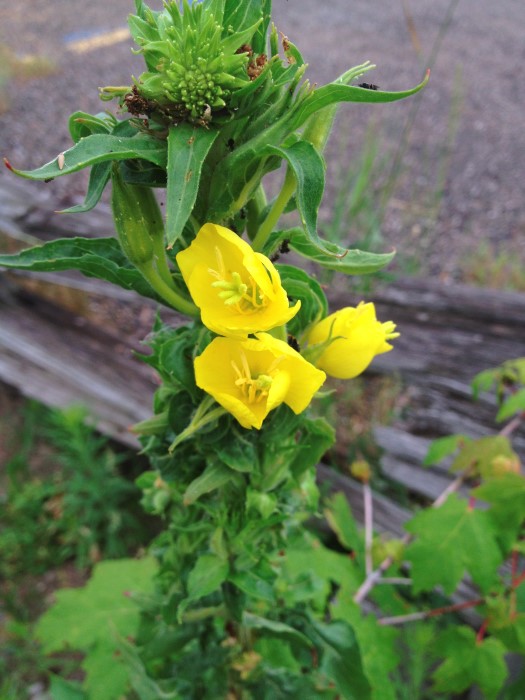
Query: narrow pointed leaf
{"x":348,"y":261}
{"x":84,"y":124}
{"x":188,"y":147}
{"x":308,"y":167}
{"x":98,"y":179}
{"x":94,"y":257}
{"x":335,"y":93}
{"x":98,"y":148}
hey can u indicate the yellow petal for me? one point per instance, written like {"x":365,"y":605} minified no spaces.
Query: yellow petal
{"x":238,"y":291}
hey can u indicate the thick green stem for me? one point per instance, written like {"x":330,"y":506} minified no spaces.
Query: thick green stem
{"x":255,"y":206}
{"x":276,"y":210}
{"x":151,"y":273}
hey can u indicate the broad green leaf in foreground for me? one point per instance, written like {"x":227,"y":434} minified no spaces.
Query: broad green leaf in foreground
{"x":187,"y":149}
{"x":469,"y":662}
{"x":94,"y":257}
{"x":341,"y":659}
{"x":87,"y":619}
{"x":450,"y":541}
{"x":377,"y":643}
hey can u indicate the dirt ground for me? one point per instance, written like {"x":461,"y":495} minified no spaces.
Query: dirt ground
{"x":462,"y":172}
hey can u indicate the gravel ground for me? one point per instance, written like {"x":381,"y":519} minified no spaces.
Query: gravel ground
{"x":462,"y":179}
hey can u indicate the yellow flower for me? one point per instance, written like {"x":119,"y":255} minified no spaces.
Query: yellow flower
{"x":251,"y":377}
{"x":237,"y":290}
{"x":348,"y":340}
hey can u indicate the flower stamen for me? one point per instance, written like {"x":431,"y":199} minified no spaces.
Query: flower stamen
{"x":254,"y":390}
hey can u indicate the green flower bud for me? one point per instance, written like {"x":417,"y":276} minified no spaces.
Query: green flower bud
{"x":193,"y":61}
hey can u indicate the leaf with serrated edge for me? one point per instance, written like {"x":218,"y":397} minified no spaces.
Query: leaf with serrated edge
{"x":469,"y":662}
{"x":86,"y":619}
{"x":451,"y":540}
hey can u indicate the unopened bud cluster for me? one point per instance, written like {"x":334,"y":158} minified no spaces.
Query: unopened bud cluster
{"x":193,"y":63}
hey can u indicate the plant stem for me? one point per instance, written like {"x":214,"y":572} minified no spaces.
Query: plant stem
{"x":276,"y":210}
{"x":167,"y":292}
{"x":425,"y":614}
{"x":513,"y":425}
{"x":373,"y":577}
{"x":369,"y":524}
{"x":202,"y":417}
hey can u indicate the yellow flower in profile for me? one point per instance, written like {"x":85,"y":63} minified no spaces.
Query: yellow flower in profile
{"x":251,"y":377}
{"x":237,"y":290}
{"x":348,"y":340}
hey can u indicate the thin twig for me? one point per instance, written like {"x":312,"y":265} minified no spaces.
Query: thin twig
{"x":425,"y":614}
{"x":369,"y":526}
{"x":395,"y":581}
{"x":373,"y":577}
{"x":512,"y":425}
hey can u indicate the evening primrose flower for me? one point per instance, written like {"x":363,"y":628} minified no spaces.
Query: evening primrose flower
{"x":251,"y":377}
{"x":237,"y":290}
{"x":348,"y":340}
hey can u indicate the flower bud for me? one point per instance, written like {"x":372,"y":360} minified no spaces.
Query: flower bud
{"x":345,"y":343}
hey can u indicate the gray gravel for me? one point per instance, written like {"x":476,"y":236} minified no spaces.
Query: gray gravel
{"x":479,"y":59}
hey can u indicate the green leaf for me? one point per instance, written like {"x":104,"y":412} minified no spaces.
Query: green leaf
{"x":377,"y":644}
{"x":238,"y":453}
{"x":82,"y":124}
{"x":176,"y":360}
{"x":314,"y":439}
{"x":308,"y":168}
{"x":335,"y":93}
{"x":214,"y":476}
{"x":274,"y":628}
{"x":239,"y":15}
{"x":87,"y":619}
{"x":348,"y":261}
{"x":511,"y":631}
{"x":506,"y":495}
{"x":98,"y":148}
{"x":341,"y":659}
{"x":61,"y":689}
{"x":482,"y":455}
{"x":299,"y":285}
{"x":254,"y":586}
{"x":341,"y":520}
{"x":515,"y":403}
{"x":94,"y":257}
{"x":207,"y":576}
{"x":451,"y":540}
{"x":188,"y":147}
{"x":483,"y":381}
{"x":443,"y":447}
{"x":98,"y":179}
{"x":469,"y":662}
{"x":145,"y":687}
